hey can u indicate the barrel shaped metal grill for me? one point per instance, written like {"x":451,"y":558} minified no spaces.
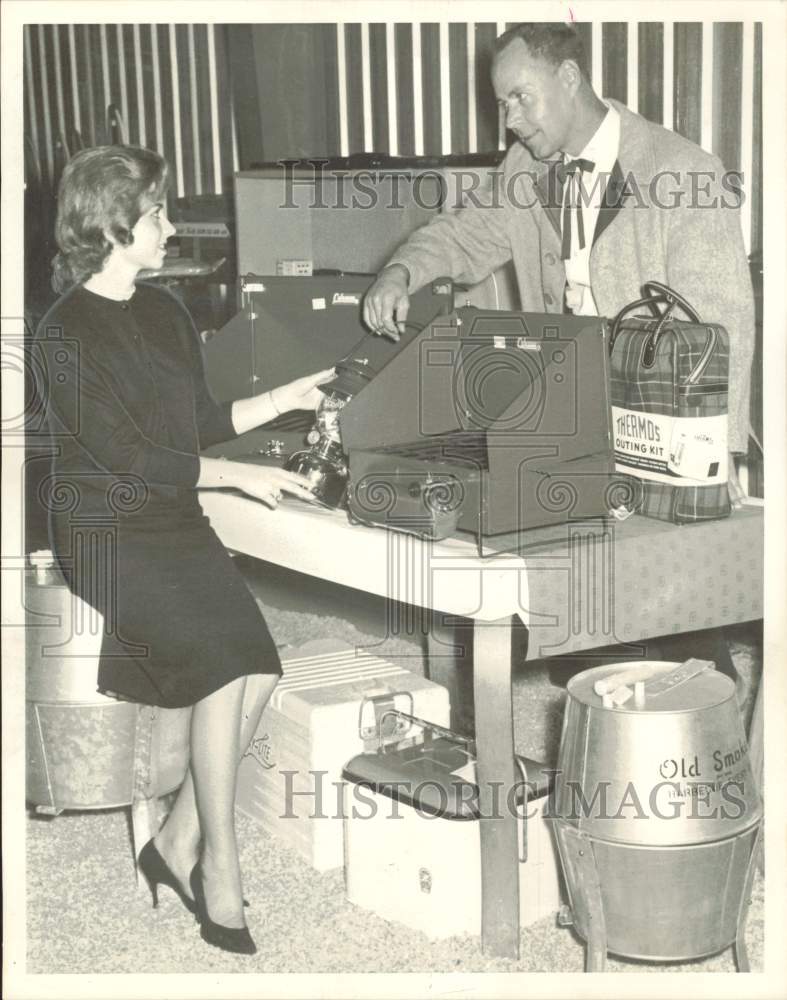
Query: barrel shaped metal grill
{"x":657,"y":811}
{"x":85,"y":750}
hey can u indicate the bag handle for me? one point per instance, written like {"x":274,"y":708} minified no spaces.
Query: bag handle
{"x":657,"y":295}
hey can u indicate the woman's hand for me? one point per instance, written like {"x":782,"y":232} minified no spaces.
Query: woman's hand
{"x":267,"y":482}
{"x":302,"y":394}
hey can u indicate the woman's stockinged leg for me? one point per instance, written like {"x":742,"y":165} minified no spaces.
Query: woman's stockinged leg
{"x":179,"y":839}
{"x":215,"y":741}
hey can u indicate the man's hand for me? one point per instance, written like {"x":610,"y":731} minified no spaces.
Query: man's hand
{"x":387,"y":303}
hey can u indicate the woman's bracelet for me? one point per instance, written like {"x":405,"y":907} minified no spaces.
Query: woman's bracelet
{"x":273,"y":403}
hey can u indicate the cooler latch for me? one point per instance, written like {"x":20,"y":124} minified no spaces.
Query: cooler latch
{"x":379,"y":720}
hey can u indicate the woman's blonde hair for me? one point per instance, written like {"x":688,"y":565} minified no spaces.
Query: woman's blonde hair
{"x":103,"y":190}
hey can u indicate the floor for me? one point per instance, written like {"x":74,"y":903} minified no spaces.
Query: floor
{"x":86,"y":915}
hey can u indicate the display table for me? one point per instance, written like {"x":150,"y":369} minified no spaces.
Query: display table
{"x":584,"y":585}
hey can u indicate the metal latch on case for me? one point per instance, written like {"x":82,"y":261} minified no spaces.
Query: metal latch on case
{"x":379,"y":722}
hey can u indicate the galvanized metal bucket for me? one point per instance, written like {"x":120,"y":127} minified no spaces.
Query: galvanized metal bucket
{"x":657,"y":810}
{"x":85,"y":750}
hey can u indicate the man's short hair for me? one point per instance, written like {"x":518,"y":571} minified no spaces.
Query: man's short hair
{"x":550,"y":41}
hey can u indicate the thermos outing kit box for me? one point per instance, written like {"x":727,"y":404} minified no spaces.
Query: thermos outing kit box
{"x":327,"y":707}
{"x":412,"y":836}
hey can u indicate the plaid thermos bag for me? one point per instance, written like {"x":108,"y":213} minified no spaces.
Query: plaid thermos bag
{"x":669,"y":382}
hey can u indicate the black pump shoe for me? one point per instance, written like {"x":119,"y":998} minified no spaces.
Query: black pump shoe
{"x":157,"y":872}
{"x":234,"y":939}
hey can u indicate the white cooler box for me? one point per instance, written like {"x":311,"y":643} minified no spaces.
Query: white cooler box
{"x":324,"y":711}
{"x":414,"y":855}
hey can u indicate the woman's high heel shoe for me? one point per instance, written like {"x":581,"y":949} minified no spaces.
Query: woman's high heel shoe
{"x":157,"y":872}
{"x":234,"y":939}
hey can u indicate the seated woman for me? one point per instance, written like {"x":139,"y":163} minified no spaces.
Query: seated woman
{"x":129,"y":411}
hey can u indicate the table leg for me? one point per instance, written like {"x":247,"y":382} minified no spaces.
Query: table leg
{"x":494,"y":727}
{"x":450,"y":662}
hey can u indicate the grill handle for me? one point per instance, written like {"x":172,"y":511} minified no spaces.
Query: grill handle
{"x":651,"y":679}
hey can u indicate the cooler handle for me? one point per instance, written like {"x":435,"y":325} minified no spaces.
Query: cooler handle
{"x":431,"y":728}
{"x":428,"y":728}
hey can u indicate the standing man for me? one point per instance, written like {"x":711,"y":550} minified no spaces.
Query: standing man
{"x":594,"y":201}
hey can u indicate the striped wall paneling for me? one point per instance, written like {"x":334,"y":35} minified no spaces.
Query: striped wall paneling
{"x":163,"y":86}
{"x":189,"y":91}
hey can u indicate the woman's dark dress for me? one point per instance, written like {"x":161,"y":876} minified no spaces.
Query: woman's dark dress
{"x":129,"y":411}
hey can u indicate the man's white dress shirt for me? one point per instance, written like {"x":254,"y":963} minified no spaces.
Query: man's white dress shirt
{"x":602,"y":151}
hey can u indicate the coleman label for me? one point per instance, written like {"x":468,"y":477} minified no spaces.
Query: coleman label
{"x":682,"y":451}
